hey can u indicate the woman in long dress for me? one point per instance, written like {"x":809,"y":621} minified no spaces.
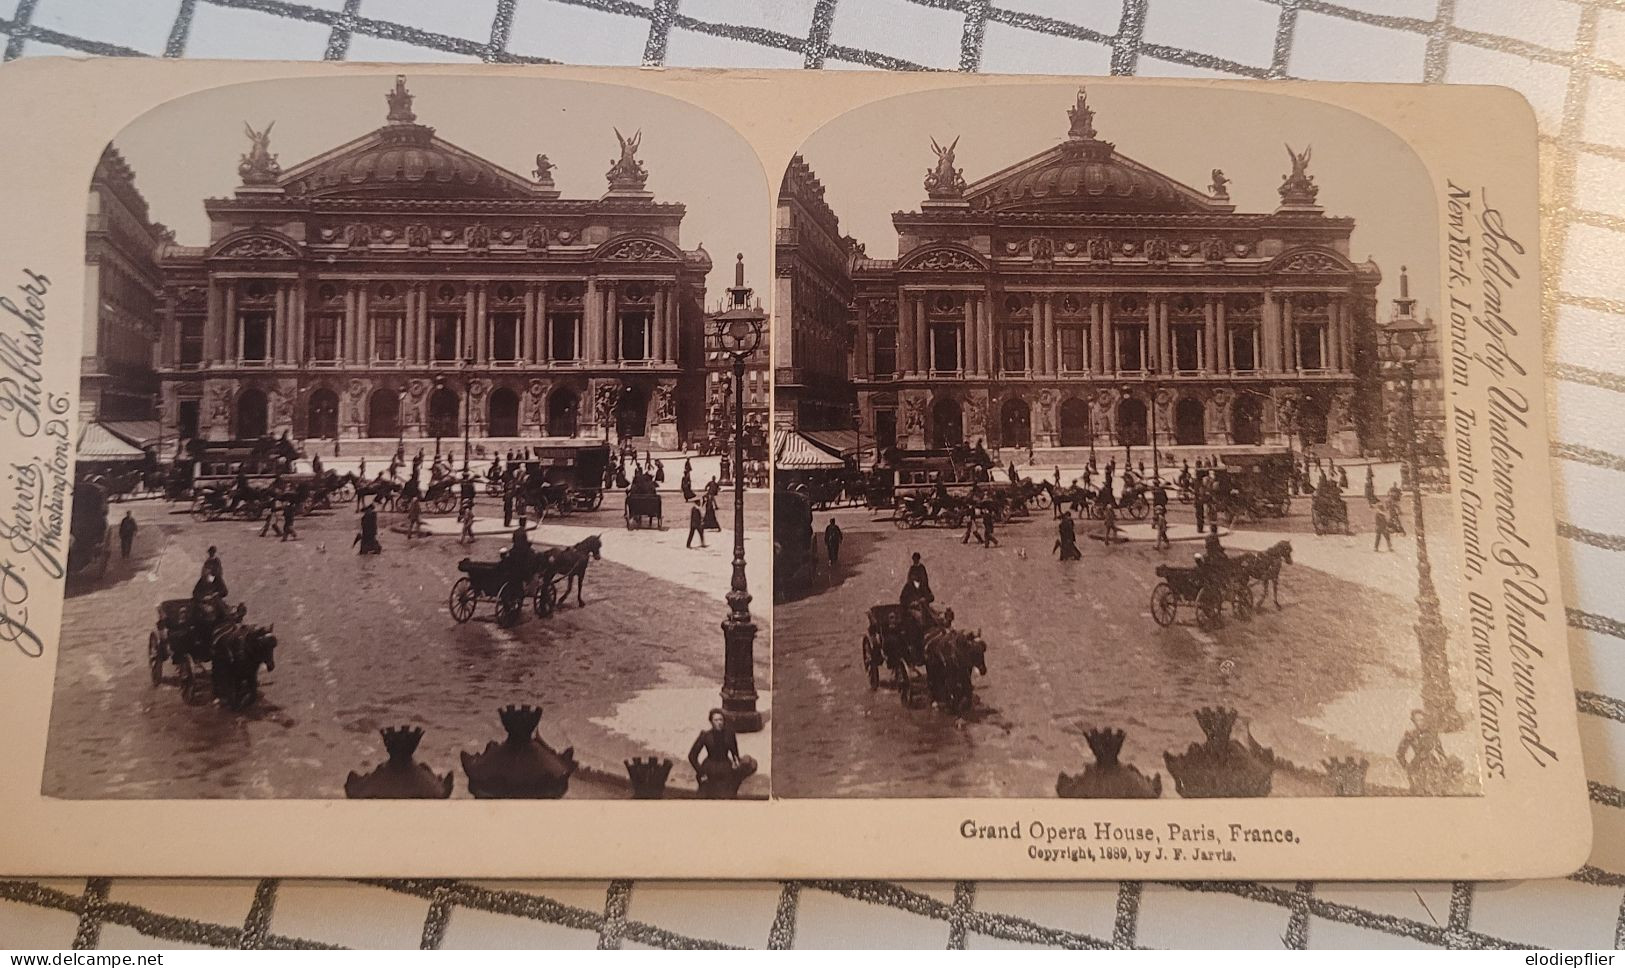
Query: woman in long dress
{"x":722,"y":766}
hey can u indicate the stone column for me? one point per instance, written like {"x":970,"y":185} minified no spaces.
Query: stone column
{"x":905,"y":333}
{"x":1096,"y":340}
{"x":1165,"y":339}
{"x":527,"y":330}
{"x":1210,"y":338}
{"x":1269,"y":351}
{"x":482,"y":324}
{"x":364,"y":326}
{"x":213,"y":326}
{"x":1044,"y":334}
{"x":277,"y":353}
{"x":1221,"y":346}
{"x":922,"y":334}
{"x":1289,"y":338}
{"x":968,"y":355}
{"x":544,"y":334}
{"x":1108,"y":341}
{"x":612,"y":325}
{"x":988,"y":331}
{"x":1339,"y":324}
{"x":425,"y":326}
{"x":592,"y":318}
{"x":228,"y":349}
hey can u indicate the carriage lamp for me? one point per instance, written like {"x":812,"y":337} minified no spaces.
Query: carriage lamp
{"x":1406,"y":341}
{"x":737,"y":331}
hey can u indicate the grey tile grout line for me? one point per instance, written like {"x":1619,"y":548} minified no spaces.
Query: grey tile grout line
{"x":338,"y":41}
{"x":257,"y":923}
{"x":1126,"y":42}
{"x":1126,"y":921}
{"x":175,"y":46}
{"x":436,"y":918}
{"x":970,"y":38}
{"x":1296,"y":937}
{"x":654,"y":50}
{"x":823,"y":21}
{"x":88,"y":934}
{"x":1436,"y":61}
{"x":959,"y":913}
{"x":501,"y":26}
{"x":1459,"y":924}
{"x":781,"y":934}
{"x":617,"y":898}
{"x":1286,"y":26}
{"x":22,"y":21}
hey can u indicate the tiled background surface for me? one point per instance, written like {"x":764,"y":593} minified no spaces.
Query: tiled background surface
{"x":1566,"y":56}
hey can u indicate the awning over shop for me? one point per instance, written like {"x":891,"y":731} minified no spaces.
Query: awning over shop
{"x":793,"y":452}
{"x":141,"y":433}
{"x":98,"y":444}
{"x":843,"y":443}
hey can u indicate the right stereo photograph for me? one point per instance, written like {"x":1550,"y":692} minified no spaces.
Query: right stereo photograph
{"x":1109,"y":429}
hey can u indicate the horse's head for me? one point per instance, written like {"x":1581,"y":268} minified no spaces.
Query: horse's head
{"x":1284,"y":549}
{"x":263,"y":646}
{"x":976,"y":647}
{"x":594,"y":546}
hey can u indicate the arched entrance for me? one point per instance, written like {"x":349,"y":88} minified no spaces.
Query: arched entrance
{"x":1247,"y":420}
{"x":1311,"y":421}
{"x":322,"y":419}
{"x":1015,"y":423}
{"x":1075,"y":423}
{"x":251,"y":415}
{"x":947,"y":423}
{"x":443,"y":413}
{"x":504,"y":413}
{"x":632,"y":412}
{"x":1131,"y":423}
{"x":1190,"y":422}
{"x":562,"y":408}
{"x":383,"y":413}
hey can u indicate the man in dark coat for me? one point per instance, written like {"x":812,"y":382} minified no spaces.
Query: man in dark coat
{"x":696,"y":524}
{"x":1067,"y":540}
{"x":368,"y":538}
{"x":507,"y":502}
{"x":214,"y":572}
{"x":988,"y":540}
{"x":289,"y":506}
{"x":126,"y":534}
{"x":832,"y":542}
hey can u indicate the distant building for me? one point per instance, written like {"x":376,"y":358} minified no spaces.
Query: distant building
{"x":719,"y":378}
{"x":813,"y":293}
{"x":118,"y":378}
{"x":1079,"y":297}
{"x":1428,"y":387}
{"x":399,"y":285}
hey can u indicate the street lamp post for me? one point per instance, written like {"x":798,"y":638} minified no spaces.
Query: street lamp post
{"x":738,"y":332}
{"x":400,"y":422}
{"x":439,"y":384}
{"x":1438,"y":699}
{"x":468,"y":407}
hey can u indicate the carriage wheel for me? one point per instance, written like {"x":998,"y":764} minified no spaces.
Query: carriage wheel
{"x":1041,"y":500}
{"x":1241,"y":602}
{"x":1209,"y":608}
{"x":510,"y":604}
{"x":900,"y":520}
{"x":628,"y":515}
{"x":444,"y":503}
{"x":1139,"y":507}
{"x":871,"y":662}
{"x":462,"y":601}
{"x":191,"y":693}
{"x":597,"y":501}
{"x":547,"y":599}
{"x":1164,"y":606}
{"x":905,"y":689}
{"x":155,"y":656}
{"x":1184,"y":496}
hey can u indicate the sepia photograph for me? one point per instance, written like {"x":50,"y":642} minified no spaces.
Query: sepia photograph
{"x":422,"y":449}
{"x":1109,"y":440}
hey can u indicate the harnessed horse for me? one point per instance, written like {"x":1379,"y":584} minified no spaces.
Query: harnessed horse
{"x":572,"y":563}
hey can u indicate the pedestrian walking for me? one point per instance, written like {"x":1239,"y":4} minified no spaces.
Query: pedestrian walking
{"x":1066,"y":541}
{"x":988,"y":540}
{"x":126,"y":534}
{"x":832,"y":543}
{"x":466,"y":517}
{"x":1159,"y":520}
{"x":507,"y":504}
{"x":687,"y":486}
{"x":1108,"y":517}
{"x":414,"y":517}
{"x":1384,"y":532}
{"x":972,"y":519}
{"x":696,"y":524}
{"x":271,"y":514}
{"x":367,"y":538}
{"x":660,"y":472}
{"x":1370,"y":486}
{"x":288,"y":507}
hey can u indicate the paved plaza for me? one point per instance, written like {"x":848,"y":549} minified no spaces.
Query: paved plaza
{"x":1072,"y":646}
{"x":367,"y":642}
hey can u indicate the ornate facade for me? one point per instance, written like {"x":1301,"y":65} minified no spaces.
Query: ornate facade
{"x":1079,"y":298}
{"x":1428,"y":390}
{"x":401,"y":286}
{"x":813,"y":292}
{"x":719,"y":375}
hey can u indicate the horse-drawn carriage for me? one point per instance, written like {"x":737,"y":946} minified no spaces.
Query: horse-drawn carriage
{"x":1328,"y":512}
{"x":949,"y":509}
{"x":561,"y":478}
{"x":909,"y":639}
{"x":1253,"y":486}
{"x":1206,"y":588}
{"x":194,"y":633}
{"x":643,"y":509}
{"x":506,"y":583}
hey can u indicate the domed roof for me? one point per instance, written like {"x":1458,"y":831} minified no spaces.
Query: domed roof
{"x":1084,"y":173}
{"x":405,"y":158}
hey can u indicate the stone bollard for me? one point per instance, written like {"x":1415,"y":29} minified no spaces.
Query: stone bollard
{"x":400,"y":777}
{"x":1347,"y":775}
{"x":1106,"y":778}
{"x":1221,"y":766}
{"x":520,"y":766}
{"x":648,"y":776}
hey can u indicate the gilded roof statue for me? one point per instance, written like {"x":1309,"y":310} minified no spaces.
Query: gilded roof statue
{"x":944,"y":181}
{"x":259,"y":166}
{"x":1083,"y":118}
{"x":400,"y":102}
{"x":627,"y":173}
{"x":1299,"y":188}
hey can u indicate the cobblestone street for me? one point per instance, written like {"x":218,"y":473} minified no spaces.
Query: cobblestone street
{"x":367,"y":642}
{"x":1072,"y":646}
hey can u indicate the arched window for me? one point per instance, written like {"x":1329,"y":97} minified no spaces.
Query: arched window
{"x":1131,"y":423}
{"x":444,"y":412}
{"x":1190,"y":425}
{"x":1075,"y":423}
{"x":947,"y":424}
{"x":1015,"y":423}
{"x":562,"y":410}
{"x":383,"y":413}
{"x":251,"y":414}
{"x":504,"y":413}
{"x":322,"y":417}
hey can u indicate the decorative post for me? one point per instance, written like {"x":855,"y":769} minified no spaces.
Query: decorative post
{"x":1438,"y":700}
{"x":738,"y":332}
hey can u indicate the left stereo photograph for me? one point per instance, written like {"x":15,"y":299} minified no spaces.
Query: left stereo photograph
{"x":406,"y":461}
